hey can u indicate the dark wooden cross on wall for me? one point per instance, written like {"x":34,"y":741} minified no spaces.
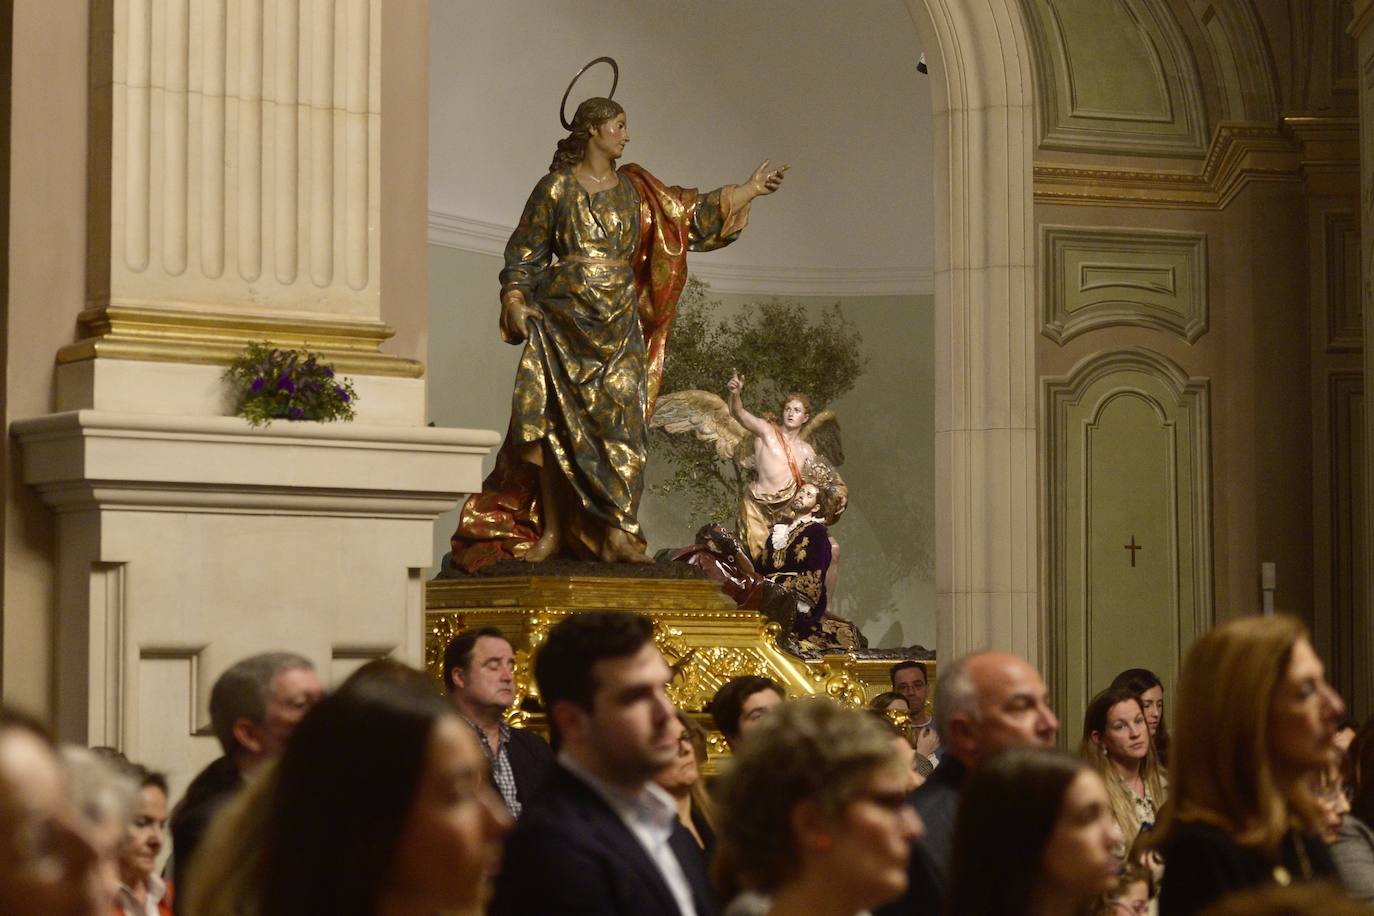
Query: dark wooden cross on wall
{"x":1133,"y":547}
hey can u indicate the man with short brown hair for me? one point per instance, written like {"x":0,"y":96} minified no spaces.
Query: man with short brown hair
{"x":479,"y":672}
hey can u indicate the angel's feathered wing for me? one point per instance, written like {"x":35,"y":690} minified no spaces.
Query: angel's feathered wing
{"x":707,"y":417}
{"x":823,"y":432}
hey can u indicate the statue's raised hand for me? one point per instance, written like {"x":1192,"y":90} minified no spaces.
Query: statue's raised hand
{"x":766,"y":181}
{"x":516,"y":313}
{"x":736,"y":383}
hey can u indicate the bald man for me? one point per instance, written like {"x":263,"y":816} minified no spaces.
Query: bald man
{"x":986,"y":702}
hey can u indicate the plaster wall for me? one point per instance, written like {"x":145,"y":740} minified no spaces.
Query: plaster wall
{"x":47,"y":256}
{"x":710,"y":89}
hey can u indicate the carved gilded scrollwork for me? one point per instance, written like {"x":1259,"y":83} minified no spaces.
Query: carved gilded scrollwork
{"x":699,"y":631}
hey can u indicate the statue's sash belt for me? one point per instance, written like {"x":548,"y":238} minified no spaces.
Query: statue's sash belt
{"x":593,"y":262}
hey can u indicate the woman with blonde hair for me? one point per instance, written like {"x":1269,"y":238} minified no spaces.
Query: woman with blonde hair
{"x":815,"y":818}
{"x":682,"y":780}
{"x":1116,"y":741}
{"x":1255,"y":720}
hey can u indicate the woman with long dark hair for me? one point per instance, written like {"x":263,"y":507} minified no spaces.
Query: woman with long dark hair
{"x":380,"y":805}
{"x":1256,"y":724}
{"x":1034,"y":837}
{"x":592,"y":277}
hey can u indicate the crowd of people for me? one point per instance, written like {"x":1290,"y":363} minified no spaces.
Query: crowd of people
{"x":386,"y":797}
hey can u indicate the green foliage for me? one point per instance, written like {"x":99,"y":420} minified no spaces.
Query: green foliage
{"x":274,"y":384}
{"x":779,"y":347}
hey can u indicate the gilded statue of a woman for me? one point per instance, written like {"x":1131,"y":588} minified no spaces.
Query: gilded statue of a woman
{"x":592,"y":277}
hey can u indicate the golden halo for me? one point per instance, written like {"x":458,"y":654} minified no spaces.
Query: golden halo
{"x":615,"y":81}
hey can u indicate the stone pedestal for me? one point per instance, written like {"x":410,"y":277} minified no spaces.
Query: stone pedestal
{"x":186,"y":543}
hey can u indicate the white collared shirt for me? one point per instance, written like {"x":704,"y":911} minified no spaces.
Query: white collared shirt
{"x":650,"y":814}
{"x":124,"y":898}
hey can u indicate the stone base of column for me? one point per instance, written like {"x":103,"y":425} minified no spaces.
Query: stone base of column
{"x":186,"y":543}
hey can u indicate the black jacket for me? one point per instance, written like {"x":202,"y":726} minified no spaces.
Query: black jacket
{"x":571,"y":854}
{"x":212,"y":788}
{"x":937,"y":801}
{"x":1203,"y":863}
{"x":530,"y":760}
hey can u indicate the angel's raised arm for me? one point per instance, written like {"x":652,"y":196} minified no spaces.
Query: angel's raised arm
{"x":750,"y":422}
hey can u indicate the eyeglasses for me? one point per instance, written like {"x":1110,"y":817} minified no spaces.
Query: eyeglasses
{"x":892,"y":801}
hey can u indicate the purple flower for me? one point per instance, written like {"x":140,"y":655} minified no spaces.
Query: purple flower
{"x":343,"y":395}
{"x":258,"y":383}
{"x":285,"y":384}
{"x":295,"y":413}
{"x":328,"y":372}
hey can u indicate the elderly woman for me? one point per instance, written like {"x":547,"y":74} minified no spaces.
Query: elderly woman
{"x":1256,"y":723}
{"x":592,"y":277}
{"x":814,"y":813}
{"x":141,"y":891}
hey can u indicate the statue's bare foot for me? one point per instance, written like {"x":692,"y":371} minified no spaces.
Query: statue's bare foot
{"x":621,"y":548}
{"x":545,"y":547}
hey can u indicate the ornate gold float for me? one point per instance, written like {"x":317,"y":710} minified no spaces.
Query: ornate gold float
{"x":703,"y":635}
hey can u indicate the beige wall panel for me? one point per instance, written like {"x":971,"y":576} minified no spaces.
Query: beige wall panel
{"x":1117,"y":77}
{"x":1350,"y":633}
{"x":166,"y":692}
{"x":1128,"y":521}
{"x":1099,"y":278}
{"x":1344,"y":321}
{"x":48,"y":200}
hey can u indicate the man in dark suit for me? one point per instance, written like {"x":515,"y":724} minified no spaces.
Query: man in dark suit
{"x":985,"y":703}
{"x":479,"y":671}
{"x":602,"y":838}
{"x":255,"y":705}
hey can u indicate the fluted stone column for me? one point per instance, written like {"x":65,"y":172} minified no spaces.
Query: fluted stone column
{"x":987,"y":570}
{"x":239,"y":198}
{"x":236,"y":190}
{"x":1362,"y":27}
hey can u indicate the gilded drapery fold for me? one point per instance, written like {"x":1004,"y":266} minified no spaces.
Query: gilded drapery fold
{"x":605,"y":270}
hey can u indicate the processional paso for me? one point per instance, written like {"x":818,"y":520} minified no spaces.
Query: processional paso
{"x":590,"y":287}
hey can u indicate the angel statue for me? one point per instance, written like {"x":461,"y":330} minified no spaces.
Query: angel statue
{"x":590,"y":287}
{"x":781,"y":457}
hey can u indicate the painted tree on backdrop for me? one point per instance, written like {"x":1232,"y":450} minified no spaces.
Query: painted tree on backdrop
{"x":781,"y":346}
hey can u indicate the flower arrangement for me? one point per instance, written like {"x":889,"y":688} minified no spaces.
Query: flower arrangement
{"x":271,"y":384}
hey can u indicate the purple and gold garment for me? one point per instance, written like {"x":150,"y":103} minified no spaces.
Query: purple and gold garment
{"x":800,"y":567}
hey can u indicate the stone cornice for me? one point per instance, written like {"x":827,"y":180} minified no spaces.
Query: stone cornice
{"x":89,"y":459}
{"x":1240,"y":153}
